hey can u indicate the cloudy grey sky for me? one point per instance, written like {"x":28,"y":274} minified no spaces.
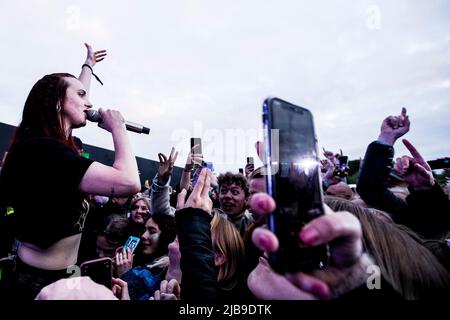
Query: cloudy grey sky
{"x":203,"y":68}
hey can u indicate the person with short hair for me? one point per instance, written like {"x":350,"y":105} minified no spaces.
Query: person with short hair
{"x":233,"y":195}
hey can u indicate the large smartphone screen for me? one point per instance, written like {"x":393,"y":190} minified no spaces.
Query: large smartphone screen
{"x":294,"y":182}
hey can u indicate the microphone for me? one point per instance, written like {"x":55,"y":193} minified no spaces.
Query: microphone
{"x":94,"y":116}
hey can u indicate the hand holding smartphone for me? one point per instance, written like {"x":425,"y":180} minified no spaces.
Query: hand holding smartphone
{"x":342,"y":169}
{"x":343,"y":161}
{"x":131,"y":243}
{"x":99,"y":270}
{"x":293,"y":180}
{"x":196,"y":148}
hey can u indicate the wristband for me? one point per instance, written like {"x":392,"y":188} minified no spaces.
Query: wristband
{"x":92,"y":71}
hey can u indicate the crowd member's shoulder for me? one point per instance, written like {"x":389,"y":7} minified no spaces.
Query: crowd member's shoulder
{"x":78,"y":288}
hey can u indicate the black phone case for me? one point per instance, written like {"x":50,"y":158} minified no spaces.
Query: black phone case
{"x":99,"y":270}
{"x":195,"y":141}
{"x":292,"y":256}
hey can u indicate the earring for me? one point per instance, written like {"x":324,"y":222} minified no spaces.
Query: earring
{"x":58,"y":107}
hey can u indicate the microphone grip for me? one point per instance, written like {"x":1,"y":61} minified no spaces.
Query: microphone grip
{"x":94,"y":116}
{"x":131,"y":126}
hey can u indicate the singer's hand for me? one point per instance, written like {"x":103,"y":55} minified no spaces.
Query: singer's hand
{"x":94,"y":56}
{"x":111,"y":120}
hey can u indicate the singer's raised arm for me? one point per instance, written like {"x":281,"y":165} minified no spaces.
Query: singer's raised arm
{"x":43,"y":152}
{"x":122,"y":179}
{"x":92,"y":58}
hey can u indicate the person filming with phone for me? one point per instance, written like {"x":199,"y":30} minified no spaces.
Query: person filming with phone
{"x":49,"y":223}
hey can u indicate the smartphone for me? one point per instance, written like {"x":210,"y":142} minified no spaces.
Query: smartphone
{"x":343,"y":161}
{"x":293,"y":180}
{"x":241,"y":170}
{"x":99,"y":270}
{"x":341,"y":170}
{"x":131,"y":243}
{"x":250,"y":160}
{"x":198,"y":143}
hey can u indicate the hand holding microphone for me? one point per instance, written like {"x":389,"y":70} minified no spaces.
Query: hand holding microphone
{"x":108,"y":119}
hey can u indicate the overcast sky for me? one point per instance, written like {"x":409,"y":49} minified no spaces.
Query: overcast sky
{"x":203,"y":68}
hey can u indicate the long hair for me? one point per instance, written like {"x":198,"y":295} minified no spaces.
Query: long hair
{"x":228,"y":242}
{"x":406,"y":264}
{"x":40,"y":117}
{"x":166,"y":224}
{"x":139,"y":196}
{"x":441,"y":249}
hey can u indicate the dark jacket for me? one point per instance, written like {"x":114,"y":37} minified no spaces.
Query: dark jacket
{"x":143,"y":281}
{"x":426,"y":212}
{"x":197,"y":259}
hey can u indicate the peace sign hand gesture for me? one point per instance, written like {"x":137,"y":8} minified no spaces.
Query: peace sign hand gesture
{"x":166,"y":166}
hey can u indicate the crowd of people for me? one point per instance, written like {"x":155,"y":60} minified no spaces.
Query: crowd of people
{"x":206,"y":239}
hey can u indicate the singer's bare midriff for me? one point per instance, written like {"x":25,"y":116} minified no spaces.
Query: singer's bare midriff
{"x":59,"y":256}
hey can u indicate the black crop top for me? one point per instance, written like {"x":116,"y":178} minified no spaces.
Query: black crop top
{"x":41,"y":178}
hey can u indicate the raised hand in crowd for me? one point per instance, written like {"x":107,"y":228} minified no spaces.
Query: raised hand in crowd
{"x":329,"y":155}
{"x":415,"y":170}
{"x":329,"y":178}
{"x":348,"y":263}
{"x":174,"y":254}
{"x":169,"y":290}
{"x":124,"y":261}
{"x":120,"y":289}
{"x":393,"y":127}
{"x":374,"y":174}
{"x":249,"y":168}
{"x":199,"y":197}
{"x":194,"y":160}
{"x":166,"y":166}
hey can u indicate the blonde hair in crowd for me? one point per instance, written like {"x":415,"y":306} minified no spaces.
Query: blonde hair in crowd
{"x":228,"y":242}
{"x":140,"y":196}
